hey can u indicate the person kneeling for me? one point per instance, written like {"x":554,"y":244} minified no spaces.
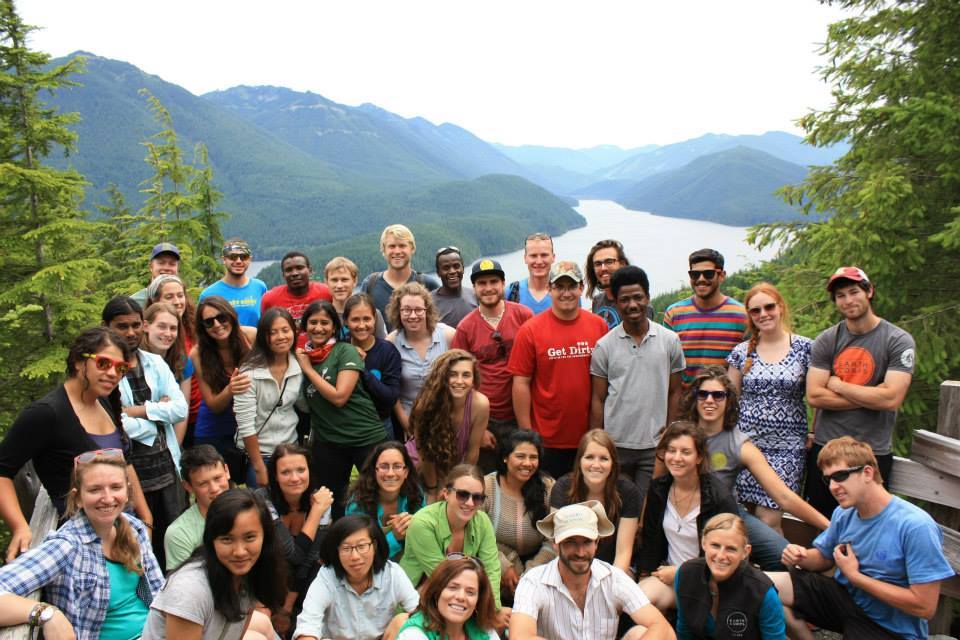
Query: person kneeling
{"x":600,"y":591}
{"x":887,"y":553}
{"x":722,"y":587}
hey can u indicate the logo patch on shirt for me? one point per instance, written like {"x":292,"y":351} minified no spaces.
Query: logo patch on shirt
{"x":907,"y":358}
{"x":737,"y":623}
{"x":718,"y":460}
{"x":855,"y":365}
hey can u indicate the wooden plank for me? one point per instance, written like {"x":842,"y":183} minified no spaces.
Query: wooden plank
{"x":936,"y":451}
{"x":951,"y":547}
{"x":919,"y":481}
{"x":948,"y":416}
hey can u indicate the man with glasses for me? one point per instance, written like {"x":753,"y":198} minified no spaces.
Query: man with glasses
{"x":860,"y":372}
{"x":604,"y":258}
{"x":397,"y":245}
{"x":453,"y":300}
{"x":709,"y":323}
{"x":887,"y":555}
{"x":164,"y":260}
{"x":635,"y":372}
{"x":488,"y":333}
{"x":577,"y":596}
{"x":241,"y":291}
{"x":533,"y":292}
{"x":550,"y":364}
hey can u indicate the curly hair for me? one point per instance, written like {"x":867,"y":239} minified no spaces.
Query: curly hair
{"x":612,"y":501}
{"x":431,"y":416}
{"x":680,"y":428}
{"x":412,"y":289}
{"x":770,"y":290}
{"x":688,"y":404}
{"x":215,"y":373}
{"x":365,"y":492}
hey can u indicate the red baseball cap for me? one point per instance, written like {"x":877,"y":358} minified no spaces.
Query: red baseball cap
{"x":855,"y":274}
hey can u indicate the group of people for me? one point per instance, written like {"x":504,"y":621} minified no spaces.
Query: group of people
{"x":425,"y":459}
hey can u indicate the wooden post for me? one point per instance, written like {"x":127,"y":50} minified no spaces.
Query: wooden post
{"x":948,"y":424}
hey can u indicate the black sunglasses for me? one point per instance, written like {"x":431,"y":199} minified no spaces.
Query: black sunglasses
{"x":708,"y":274}
{"x":463,"y":495}
{"x":450,"y":249}
{"x":703,"y":394}
{"x":843,"y":474}
{"x":220,"y":318}
{"x":756,"y":311}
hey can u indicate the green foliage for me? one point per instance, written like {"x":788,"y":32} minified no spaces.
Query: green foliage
{"x":894,"y":197}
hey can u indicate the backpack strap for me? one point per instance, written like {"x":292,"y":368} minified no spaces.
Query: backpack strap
{"x":513,"y":295}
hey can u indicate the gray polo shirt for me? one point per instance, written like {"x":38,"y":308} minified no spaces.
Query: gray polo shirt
{"x":638,"y":379}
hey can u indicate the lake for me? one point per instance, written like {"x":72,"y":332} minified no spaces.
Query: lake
{"x":658,"y":244}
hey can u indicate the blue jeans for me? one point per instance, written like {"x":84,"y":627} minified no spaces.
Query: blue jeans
{"x":252,"y":473}
{"x":768,"y":545}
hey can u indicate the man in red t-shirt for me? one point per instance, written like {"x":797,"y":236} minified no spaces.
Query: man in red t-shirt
{"x":488,"y":333}
{"x":299,"y":291}
{"x":550,"y":364}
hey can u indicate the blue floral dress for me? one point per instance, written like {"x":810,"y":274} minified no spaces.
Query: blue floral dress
{"x":773,"y":415}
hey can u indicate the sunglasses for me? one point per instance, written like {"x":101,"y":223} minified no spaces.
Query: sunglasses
{"x":463,"y":495}
{"x":703,"y":394}
{"x":756,"y":311}
{"x":708,"y":274}
{"x":233,"y":257}
{"x":105,"y":363}
{"x":450,"y":249}
{"x":459,"y":555}
{"x":842,"y":475}
{"x":220,"y":318}
{"x":90,"y":456}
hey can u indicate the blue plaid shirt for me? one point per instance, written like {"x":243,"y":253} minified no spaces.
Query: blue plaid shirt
{"x":70,"y":566}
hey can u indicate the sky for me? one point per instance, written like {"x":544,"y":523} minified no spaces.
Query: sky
{"x":557,"y":73}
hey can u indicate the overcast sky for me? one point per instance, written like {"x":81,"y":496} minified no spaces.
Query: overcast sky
{"x":549,"y":72}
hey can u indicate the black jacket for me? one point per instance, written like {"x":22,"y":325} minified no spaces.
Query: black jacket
{"x":740,"y":598}
{"x":714,"y":498}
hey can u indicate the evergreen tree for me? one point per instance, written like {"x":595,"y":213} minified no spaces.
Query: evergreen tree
{"x":894,"y":199}
{"x":49,"y":270}
{"x":208,"y":217}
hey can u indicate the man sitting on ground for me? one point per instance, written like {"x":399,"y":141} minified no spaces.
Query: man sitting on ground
{"x":887,"y":553}
{"x":576,"y":596}
{"x":205,"y":476}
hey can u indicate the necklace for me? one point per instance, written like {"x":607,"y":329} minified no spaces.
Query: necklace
{"x":682,"y":506}
{"x":493,"y":321}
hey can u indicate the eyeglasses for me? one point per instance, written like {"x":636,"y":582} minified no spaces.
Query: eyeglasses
{"x":90,"y":456}
{"x":703,"y":394}
{"x":463,"y":495}
{"x":386,"y":468}
{"x":756,"y":311}
{"x":410,"y":311}
{"x":220,"y":318}
{"x":105,"y":363}
{"x":609,"y":262}
{"x":565,"y":288}
{"x":708,"y":274}
{"x":450,"y":249}
{"x":842,"y":475}
{"x":233,"y":257}
{"x":361,"y":548}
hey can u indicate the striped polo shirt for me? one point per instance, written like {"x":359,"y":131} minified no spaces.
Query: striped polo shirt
{"x":707,"y":335}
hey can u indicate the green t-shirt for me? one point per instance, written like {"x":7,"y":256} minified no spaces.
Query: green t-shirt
{"x":356,"y":423}
{"x":183,"y":536}
{"x":126,"y":613}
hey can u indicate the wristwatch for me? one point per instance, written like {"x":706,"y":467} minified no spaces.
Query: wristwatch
{"x":41,"y":614}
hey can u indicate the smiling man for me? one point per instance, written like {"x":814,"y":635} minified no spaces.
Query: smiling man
{"x":164,"y":260}
{"x":205,"y":476}
{"x":604,"y":259}
{"x":887,"y":554}
{"x":577,"y":596}
{"x":533,"y":292}
{"x":299,"y":291}
{"x":397,"y":245}
{"x":635,"y":372}
{"x":550,"y":364}
{"x":241,"y":291}
{"x":860,"y":372}
{"x":453,"y":300}
{"x":710,"y":324}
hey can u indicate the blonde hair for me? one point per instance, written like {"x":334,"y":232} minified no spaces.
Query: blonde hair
{"x":412,"y":289}
{"x":126,"y":546}
{"x":726,"y":521}
{"x":851,"y":452}
{"x":338,"y":263}
{"x":399,"y":232}
{"x":770,"y":290}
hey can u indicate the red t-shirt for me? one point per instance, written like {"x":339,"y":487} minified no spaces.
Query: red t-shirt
{"x":475,"y":335}
{"x":555,"y":354}
{"x":280,"y":296}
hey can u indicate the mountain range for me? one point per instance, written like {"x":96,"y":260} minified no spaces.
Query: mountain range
{"x":300,"y":170}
